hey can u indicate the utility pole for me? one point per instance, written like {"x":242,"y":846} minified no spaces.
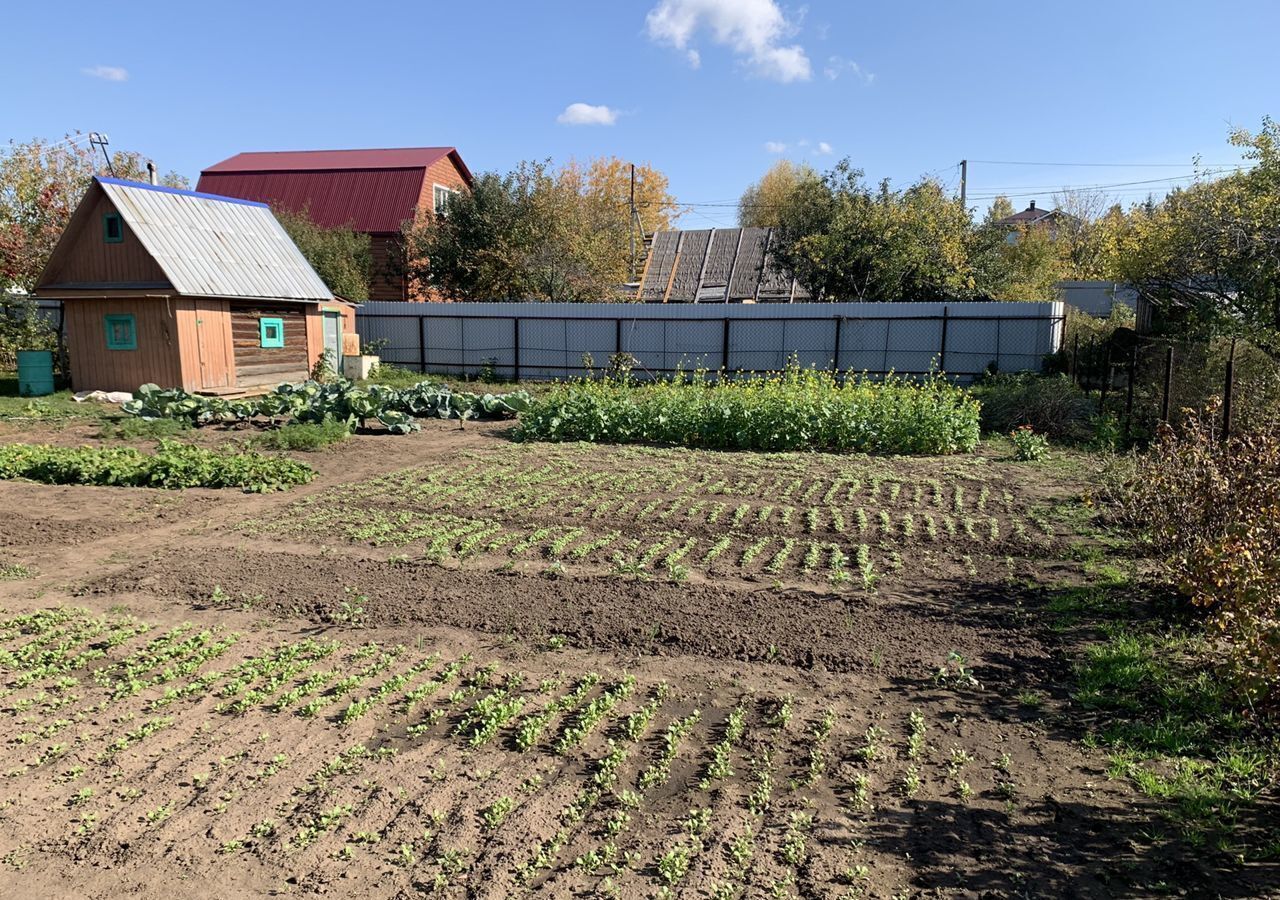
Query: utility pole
{"x":631,"y":223}
{"x":964,"y":180}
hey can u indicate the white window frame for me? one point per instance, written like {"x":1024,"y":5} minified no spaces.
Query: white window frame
{"x":435,"y":198}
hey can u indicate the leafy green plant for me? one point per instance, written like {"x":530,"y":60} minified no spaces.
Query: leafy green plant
{"x":173,"y":465}
{"x":303,"y":436}
{"x":1027,"y":445}
{"x":314,"y":402}
{"x":791,"y":410}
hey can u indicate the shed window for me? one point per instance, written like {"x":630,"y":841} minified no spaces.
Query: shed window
{"x":112,"y":228}
{"x":271,"y":332}
{"x":122,"y":332}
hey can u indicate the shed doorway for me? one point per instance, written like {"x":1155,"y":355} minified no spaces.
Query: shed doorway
{"x":333,"y":339}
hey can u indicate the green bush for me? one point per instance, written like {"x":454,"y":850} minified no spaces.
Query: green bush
{"x":1211,"y":511}
{"x":1051,"y":405}
{"x":305,"y":436}
{"x":798,"y":409}
{"x":173,"y":465}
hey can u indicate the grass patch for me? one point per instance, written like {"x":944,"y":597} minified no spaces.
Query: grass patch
{"x":14,"y":571}
{"x":306,"y":437}
{"x":134,"y":429}
{"x":1173,"y":727}
{"x":173,"y":465}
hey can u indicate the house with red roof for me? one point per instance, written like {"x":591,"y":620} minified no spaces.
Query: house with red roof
{"x":371,"y":191}
{"x":1031,"y":217}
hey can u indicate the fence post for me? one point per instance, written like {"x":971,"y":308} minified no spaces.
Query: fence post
{"x":422,"y":344}
{"x":1106,"y":380}
{"x":942,"y":351}
{"x":1075,"y":361}
{"x":835,"y":355}
{"x":1168,"y":385}
{"x":515,"y":343}
{"x":1128,"y":399}
{"x":1228,"y":389}
{"x":724,"y":349}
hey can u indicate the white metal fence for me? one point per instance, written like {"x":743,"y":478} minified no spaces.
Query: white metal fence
{"x":549,"y":340}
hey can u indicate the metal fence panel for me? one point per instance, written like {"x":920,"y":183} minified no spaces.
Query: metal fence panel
{"x":548,"y":340}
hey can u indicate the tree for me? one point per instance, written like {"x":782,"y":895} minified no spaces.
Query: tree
{"x":40,"y":185}
{"x":1213,"y":249}
{"x":606,"y":181}
{"x":762,"y":203}
{"x":844,"y":241}
{"x":537,"y":233}
{"x":1015,"y":263}
{"x":341,"y":257}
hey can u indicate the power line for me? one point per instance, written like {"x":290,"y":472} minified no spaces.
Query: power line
{"x":1006,"y":162}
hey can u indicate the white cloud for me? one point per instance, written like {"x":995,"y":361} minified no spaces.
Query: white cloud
{"x":107,"y":73}
{"x":586,"y":114}
{"x":753,"y":29}
{"x":838,"y":65}
{"x":694,"y":57}
{"x":824,"y":148}
{"x":775,"y":147}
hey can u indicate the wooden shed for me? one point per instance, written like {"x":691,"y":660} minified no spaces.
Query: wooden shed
{"x":190,"y":290}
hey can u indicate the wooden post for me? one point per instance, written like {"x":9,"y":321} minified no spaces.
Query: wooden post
{"x":515,"y":345}
{"x":1227,"y":390}
{"x":422,"y":344}
{"x":1106,"y":381}
{"x":1128,"y":399}
{"x":1168,"y":385}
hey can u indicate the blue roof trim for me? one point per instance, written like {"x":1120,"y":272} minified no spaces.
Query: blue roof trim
{"x":142,"y":185}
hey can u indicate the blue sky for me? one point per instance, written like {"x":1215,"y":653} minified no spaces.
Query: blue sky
{"x":709,"y":91}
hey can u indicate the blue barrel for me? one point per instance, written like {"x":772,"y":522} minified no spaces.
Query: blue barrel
{"x":35,"y":373}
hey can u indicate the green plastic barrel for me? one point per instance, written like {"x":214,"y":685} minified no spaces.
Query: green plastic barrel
{"x":35,"y":373}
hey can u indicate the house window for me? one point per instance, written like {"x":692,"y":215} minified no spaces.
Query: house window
{"x":271,"y":332}
{"x":112,"y":228}
{"x":441,"y":198}
{"x":122,"y":332}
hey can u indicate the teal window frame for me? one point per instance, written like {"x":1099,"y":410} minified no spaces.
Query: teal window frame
{"x":114,"y":341}
{"x":107,"y":219}
{"x":267,"y":324}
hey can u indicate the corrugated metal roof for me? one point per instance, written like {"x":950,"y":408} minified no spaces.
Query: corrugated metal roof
{"x":320,"y":160}
{"x":368,"y":200}
{"x":367,"y":190}
{"x":212,"y":246}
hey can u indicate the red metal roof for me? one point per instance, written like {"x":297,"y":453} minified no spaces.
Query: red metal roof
{"x":367,"y":190}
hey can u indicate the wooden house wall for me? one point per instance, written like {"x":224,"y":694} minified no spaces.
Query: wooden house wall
{"x":95,"y":368}
{"x":257,"y":365}
{"x":91,"y":260}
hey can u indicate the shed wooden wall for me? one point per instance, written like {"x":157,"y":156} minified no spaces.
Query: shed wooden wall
{"x":95,"y":368}
{"x":91,"y":260}
{"x":257,"y":365}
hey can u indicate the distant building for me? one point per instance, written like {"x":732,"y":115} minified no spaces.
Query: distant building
{"x":1031,"y":217}
{"x":718,"y":265}
{"x":370,"y":191}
